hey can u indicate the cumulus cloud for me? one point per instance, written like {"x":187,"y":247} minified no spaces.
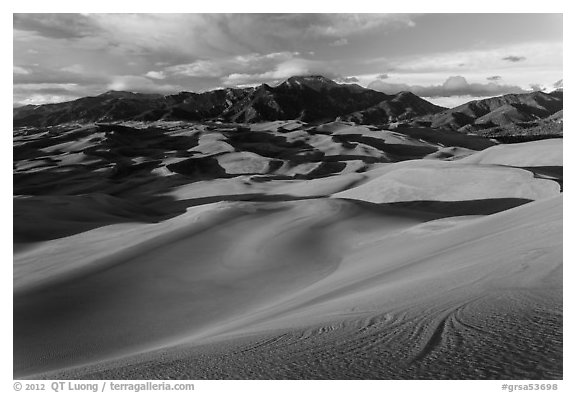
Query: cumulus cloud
{"x":34,"y":74}
{"x":494,"y":78}
{"x":206,"y":35}
{"x":476,"y":60}
{"x":283,"y":70}
{"x":200,"y":68}
{"x":339,"y":25}
{"x":453,"y":86}
{"x":514,"y":59}
{"x":51,"y":92}
{"x":537,"y":87}
{"x":140,"y":84}
{"x":59,"y":26}
{"x":39,"y":98}
{"x":51,"y":87}
{"x":347,"y":79}
{"x":340,"y":42}
{"x":20,"y":70}
{"x":74,"y":68}
{"x":156,"y":75}
{"x":252,"y":63}
{"x":559,"y":84}
{"x":44,"y":93}
{"x":197,"y":51}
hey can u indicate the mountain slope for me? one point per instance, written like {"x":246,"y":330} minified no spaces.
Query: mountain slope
{"x":115,"y":106}
{"x":497,"y":111}
{"x":307,"y":98}
{"x":402,"y":106}
{"x":112,"y":105}
{"x":310,"y":99}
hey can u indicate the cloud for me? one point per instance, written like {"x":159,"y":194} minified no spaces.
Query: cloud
{"x":241,"y":64}
{"x":514,"y":59}
{"x":494,"y":78}
{"x":307,"y":26}
{"x":453,"y":101}
{"x":20,"y":70}
{"x":75,"y":69}
{"x":205,"y":35}
{"x":559,"y":84}
{"x":35,"y":74}
{"x":50,"y":87}
{"x":340,"y":42}
{"x":59,"y":26}
{"x":283,"y":70}
{"x":200,"y":69}
{"x":347,"y":79}
{"x":45,"y":93}
{"x":197,"y":51}
{"x":347,"y":24}
{"x":156,"y":75}
{"x":453,"y":86}
{"x":537,"y":87}
{"x":547,"y":55}
{"x":39,"y":98}
{"x":140,"y":84}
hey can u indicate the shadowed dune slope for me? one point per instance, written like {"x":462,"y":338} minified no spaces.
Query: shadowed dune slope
{"x":448,"y":181}
{"x":362,"y":296}
{"x":127,"y":287}
{"x":285,"y":250}
{"x":545,"y":153}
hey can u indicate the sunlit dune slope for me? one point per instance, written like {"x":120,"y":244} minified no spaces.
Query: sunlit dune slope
{"x":422,"y":283}
{"x":285,"y":250}
{"x":449,"y":181}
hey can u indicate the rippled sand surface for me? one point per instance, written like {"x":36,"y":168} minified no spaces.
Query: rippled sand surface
{"x":285,"y":251}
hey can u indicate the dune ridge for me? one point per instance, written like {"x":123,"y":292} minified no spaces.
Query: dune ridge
{"x":285,"y":250}
{"x":444,"y":291}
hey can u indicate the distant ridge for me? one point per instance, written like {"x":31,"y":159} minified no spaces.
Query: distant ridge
{"x":498,"y":112}
{"x":312,"y":98}
{"x":403,"y":106}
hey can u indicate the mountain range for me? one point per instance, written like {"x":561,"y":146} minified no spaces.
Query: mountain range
{"x":286,"y":249}
{"x":312,"y":99}
{"x":307,"y":98}
{"x":499,"y":112}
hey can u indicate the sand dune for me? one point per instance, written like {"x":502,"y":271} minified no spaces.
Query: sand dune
{"x":328,"y":266}
{"x":234,"y":248}
{"x":528,"y":154}
{"x":449,"y":181}
{"x":286,"y":250}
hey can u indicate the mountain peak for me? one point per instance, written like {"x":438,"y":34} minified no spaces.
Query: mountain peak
{"x":305,"y":97}
{"x":126,"y":94}
{"x":318,"y":78}
{"x":405,"y":93}
{"x":315,"y":82}
{"x":117,"y":93}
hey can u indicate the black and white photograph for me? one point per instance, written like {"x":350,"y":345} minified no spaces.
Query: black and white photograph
{"x":288,"y":196}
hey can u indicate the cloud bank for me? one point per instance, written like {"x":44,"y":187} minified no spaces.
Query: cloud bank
{"x":453,"y":86}
{"x":196,"y":52}
{"x":514,"y":59}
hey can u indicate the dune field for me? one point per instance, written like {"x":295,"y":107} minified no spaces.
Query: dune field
{"x":285,"y":250}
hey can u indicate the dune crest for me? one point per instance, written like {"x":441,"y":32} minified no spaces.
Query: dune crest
{"x":179,"y":250}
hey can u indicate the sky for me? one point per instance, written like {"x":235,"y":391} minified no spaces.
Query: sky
{"x":448,"y":59}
